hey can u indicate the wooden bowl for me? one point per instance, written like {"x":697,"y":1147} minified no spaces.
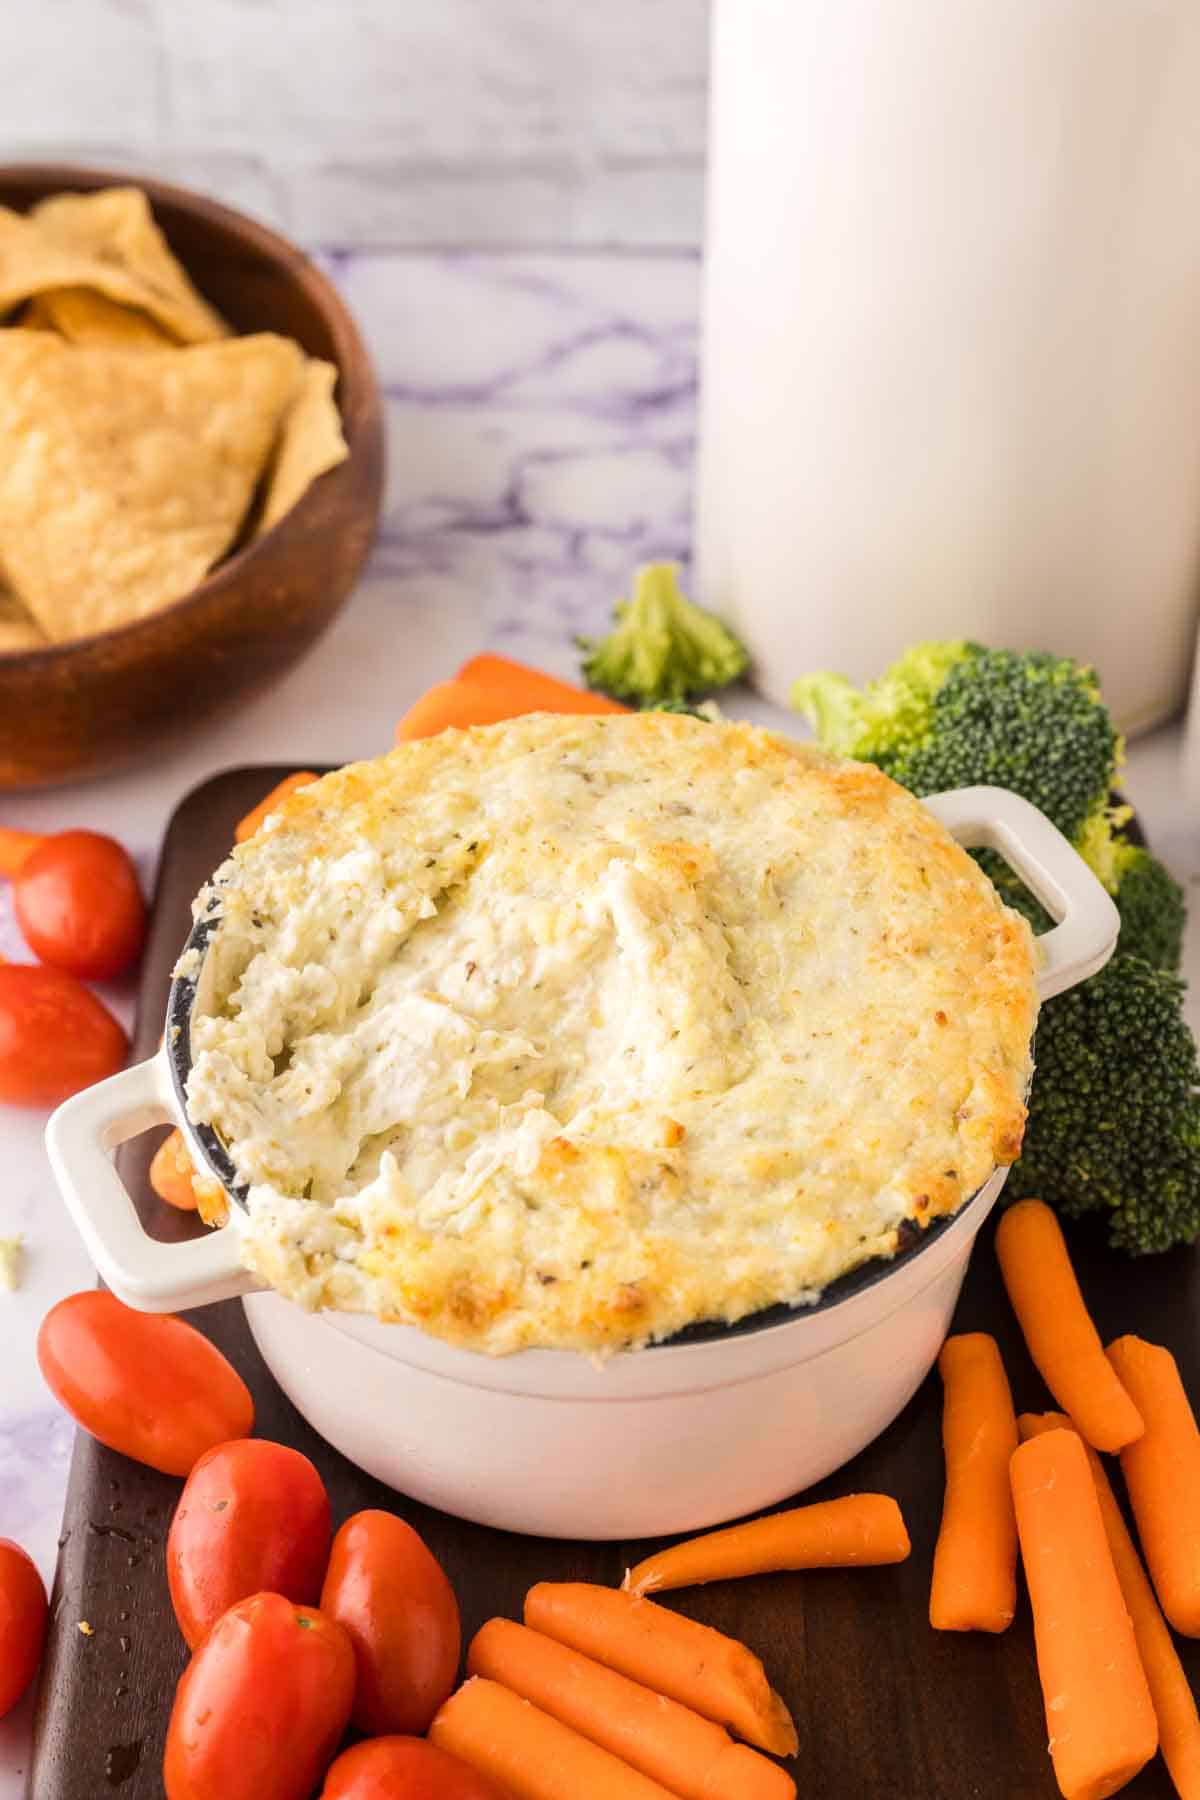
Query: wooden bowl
{"x":79,"y":709}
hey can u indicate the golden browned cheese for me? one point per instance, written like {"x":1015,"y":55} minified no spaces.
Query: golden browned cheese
{"x":573,"y":1031}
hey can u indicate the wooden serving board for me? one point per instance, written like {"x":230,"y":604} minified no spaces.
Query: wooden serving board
{"x":884,"y":1705}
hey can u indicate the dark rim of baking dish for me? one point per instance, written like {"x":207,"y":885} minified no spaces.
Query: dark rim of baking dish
{"x":911,"y":1239}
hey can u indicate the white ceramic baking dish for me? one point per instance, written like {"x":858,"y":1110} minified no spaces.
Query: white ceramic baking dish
{"x":716,"y":1423}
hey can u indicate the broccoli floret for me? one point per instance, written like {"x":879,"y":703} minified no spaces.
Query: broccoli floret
{"x":1114,"y":1115}
{"x":663,"y":647}
{"x":950,"y":715}
{"x":1152,"y":907}
{"x":879,"y":723}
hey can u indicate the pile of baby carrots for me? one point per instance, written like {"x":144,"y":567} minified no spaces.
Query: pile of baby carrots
{"x":601,"y":1691}
{"x":1113,"y":1685}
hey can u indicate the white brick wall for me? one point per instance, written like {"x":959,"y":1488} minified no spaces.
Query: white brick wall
{"x":380,"y":121}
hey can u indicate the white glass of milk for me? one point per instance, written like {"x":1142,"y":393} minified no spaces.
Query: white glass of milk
{"x":951,"y":351}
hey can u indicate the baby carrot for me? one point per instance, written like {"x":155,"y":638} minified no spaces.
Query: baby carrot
{"x":490,"y":688}
{"x":691,"y":1756}
{"x":1162,"y":1473}
{"x":1170,"y":1689}
{"x":15,"y":846}
{"x":857,"y":1531}
{"x":539,"y":692}
{"x":1098,"y":1707}
{"x":699,"y":1667}
{"x":975,"y":1563}
{"x":247,"y":827}
{"x":1062,"y":1340}
{"x":528,"y":1753}
{"x":454,"y":704}
{"x":171,"y":1172}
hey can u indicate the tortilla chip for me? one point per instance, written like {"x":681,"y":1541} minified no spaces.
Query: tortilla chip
{"x":32,"y":261}
{"x":116,"y":228}
{"x":310,"y":442}
{"x":125,"y":474}
{"x":31,"y":317}
{"x":85,"y":317}
{"x":17,"y":629}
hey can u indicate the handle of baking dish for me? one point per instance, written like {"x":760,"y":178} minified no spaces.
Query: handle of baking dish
{"x":1085,"y":934}
{"x":80,"y":1138}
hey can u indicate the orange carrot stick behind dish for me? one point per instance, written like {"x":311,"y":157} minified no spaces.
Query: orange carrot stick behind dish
{"x":541,"y":692}
{"x":247,"y":827}
{"x":1170,"y":1689}
{"x":1162,"y":1473}
{"x":690,"y":1756}
{"x":1062,"y":1340}
{"x":857,"y":1531}
{"x":974,"y":1584}
{"x":453,"y":705}
{"x":528,"y":1753}
{"x":15,"y":846}
{"x":488,"y":689}
{"x":171,"y":1172}
{"x":713,"y":1674}
{"x":1098,"y":1707}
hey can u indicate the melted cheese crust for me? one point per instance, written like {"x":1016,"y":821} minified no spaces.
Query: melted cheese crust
{"x":571,"y":1032}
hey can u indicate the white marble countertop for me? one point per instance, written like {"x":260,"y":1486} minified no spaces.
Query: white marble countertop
{"x":540,"y":410}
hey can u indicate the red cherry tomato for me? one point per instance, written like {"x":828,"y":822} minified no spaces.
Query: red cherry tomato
{"x":254,"y":1518}
{"x":55,"y":1036}
{"x":145,"y":1384}
{"x":22,"y":1623}
{"x":404,"y":1768}
{"x":392,"y":1596}
{"x":78,"y":903}
{"x":262,"y":1705}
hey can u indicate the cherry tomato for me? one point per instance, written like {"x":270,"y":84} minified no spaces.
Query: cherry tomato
{"x":392,"y":1596}
{"x":254,"y":1518}
{"x":262,"y":1705}
{"x":55,"y":1036}
{"x":78,"y":903}
{"x":22,"y":1623}
{"x":404,"y":1768}
{"x":145,"y":1384}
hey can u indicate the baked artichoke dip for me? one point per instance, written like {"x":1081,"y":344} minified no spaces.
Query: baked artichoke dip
{"x":569,"y":1032}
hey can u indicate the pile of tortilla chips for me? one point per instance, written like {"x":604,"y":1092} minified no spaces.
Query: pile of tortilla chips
{"x":139,"y":439}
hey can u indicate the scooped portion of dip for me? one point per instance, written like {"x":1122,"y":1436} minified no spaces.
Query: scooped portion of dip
{"x":571,"y":1032}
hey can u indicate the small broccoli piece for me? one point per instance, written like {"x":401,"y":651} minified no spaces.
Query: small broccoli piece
{"x":677,"y":706}
{"x":1114,"y":1115}
{"x":663,"y":647}
{"x":951,"y":715}
{"x":1152,"y":907}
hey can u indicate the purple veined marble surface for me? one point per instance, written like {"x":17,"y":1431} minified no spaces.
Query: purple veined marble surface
{"x":541,"y":412}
